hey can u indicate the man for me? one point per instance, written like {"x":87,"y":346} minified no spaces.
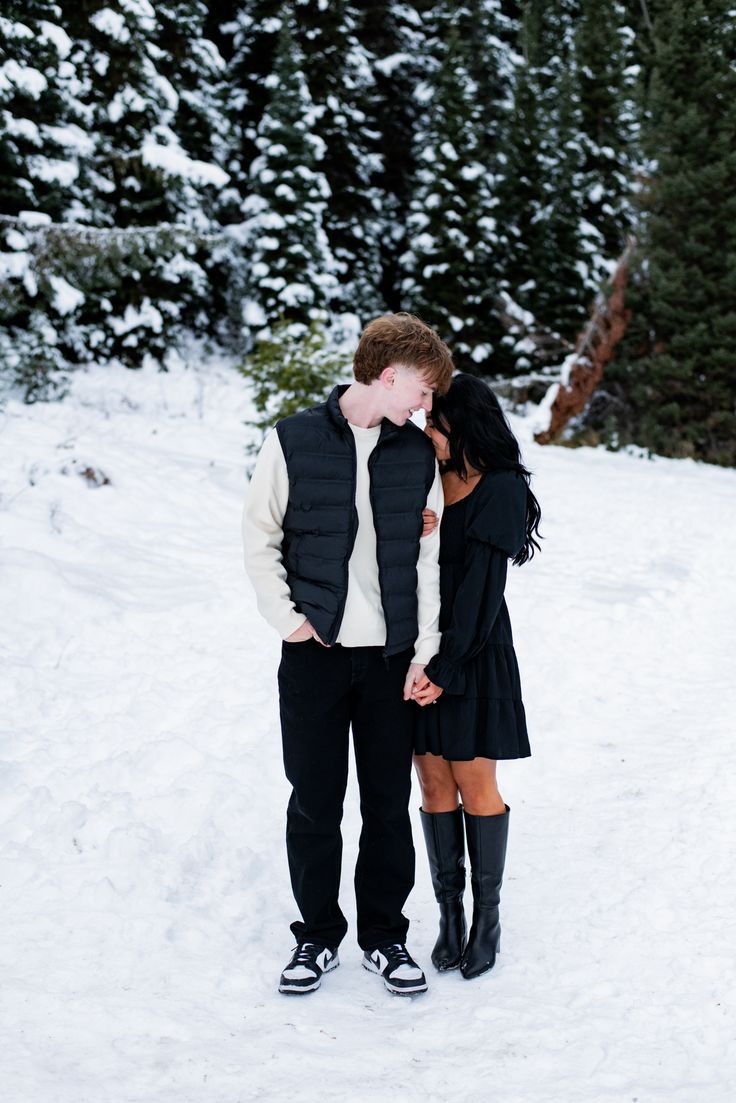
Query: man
{"x":333,"y":547}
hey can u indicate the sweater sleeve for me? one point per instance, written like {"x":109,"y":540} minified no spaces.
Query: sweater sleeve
{"x":495,"y":531}
{"x":428,"y":581}
{"x":263,"y":518}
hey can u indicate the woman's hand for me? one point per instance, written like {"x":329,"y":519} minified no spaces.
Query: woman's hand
{"x":429,"y":521}
{"x":426,"y":692}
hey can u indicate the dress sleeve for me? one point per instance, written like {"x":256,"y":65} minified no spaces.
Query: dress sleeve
{"x":496,"y":530}
{"x":474,"y":611}
{"x":497,"y":512}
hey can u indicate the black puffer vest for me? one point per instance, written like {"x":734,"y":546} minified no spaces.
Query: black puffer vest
{"x":321,"y":518}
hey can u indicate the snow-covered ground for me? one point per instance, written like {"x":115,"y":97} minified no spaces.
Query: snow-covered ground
{"x":144,"y":892}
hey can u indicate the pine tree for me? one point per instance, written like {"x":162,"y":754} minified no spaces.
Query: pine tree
{"x":132,"y":283}
{"x":605,"y":76}
{"x":37,"y":160}
{"x":453,"y":258}
{"x":394,"y":40}
{"x":292,"y":273}
{"x":39,"y":149}
{"x":541,"y":193}
{"x":341,"y":82}
{"x":673,"y":385}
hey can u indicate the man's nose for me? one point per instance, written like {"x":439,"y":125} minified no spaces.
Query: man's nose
{"x":427,"y":404}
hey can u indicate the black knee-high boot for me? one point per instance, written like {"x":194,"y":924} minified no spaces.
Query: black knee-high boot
{"x":487,"y":836}
{"x":445,"y":838}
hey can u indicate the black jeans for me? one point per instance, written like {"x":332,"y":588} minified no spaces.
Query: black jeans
{"x":322,"y":692}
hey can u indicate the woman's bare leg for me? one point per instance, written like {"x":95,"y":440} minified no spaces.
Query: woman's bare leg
{"x":438,"y":785}
{"x":476,"y":781}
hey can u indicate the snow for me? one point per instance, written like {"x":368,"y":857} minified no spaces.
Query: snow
{"x":125,"y":99}
{"x":53,"y":171}
{"x":144,"y":885}
{"x":292,"y":294}
{"x":111,"y":23}
{"x":21,"y":128}
{"x":253,"y":314}
{"x":73,"y":137}
{"x":25,"y":78}
{"x":53,"y":33}
{"x":147,"y":316}
{"x":13,"y":265}
{"x":12,"y":29}
{"x":16,"y":240}
{"x":173,"y":159}
{"x":387,"y":65}
{"x":66,"y":298}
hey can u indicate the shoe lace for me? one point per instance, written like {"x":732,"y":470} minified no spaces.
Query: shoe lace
{"x":305,"y":953}
{"x":397,"y":955}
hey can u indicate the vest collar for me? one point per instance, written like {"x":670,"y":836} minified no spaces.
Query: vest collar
{"x":333,"y":409}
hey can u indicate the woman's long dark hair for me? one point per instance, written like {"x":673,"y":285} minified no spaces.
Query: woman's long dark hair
{"x":478,"y":434}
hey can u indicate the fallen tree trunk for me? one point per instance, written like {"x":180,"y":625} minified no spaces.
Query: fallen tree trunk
{"x":582,"y":371}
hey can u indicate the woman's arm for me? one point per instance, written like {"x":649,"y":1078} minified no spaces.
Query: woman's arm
{"x":474,"y":611}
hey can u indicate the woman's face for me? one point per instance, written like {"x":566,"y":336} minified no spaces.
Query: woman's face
{"x":439,"y":440}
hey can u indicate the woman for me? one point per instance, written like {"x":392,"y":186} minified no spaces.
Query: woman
{"x":477,"y":715}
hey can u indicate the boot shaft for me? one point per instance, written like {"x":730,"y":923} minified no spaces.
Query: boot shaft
{"x":445,"y":839}
{"x":487,"y":837}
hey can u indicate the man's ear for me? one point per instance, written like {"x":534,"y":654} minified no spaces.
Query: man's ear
{"x":388,"y":376}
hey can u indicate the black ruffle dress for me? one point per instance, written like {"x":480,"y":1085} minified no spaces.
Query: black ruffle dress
{"x":480,"y":713}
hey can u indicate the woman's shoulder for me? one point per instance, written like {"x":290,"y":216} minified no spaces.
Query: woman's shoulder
{"x":497,"y":510}
{"x":499,"y":486}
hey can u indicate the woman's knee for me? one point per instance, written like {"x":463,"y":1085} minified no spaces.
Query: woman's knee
{"x":436,"y":781}
{"x":476,"y":782}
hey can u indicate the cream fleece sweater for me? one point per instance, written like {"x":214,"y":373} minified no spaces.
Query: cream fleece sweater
{"x":363,"y":624}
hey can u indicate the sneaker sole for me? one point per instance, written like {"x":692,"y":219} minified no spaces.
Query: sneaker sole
{"x":304,"y":990}
{"x":415,"y":991}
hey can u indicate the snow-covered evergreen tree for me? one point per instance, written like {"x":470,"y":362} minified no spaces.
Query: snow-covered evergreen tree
{"x":606,"y":75}
{"x":292,"y":272}
{"x":394,"y":39}
{"x":132,"y":237}
{"x":453,"y":260}
{"x":553,"y":254}
{"x":40,"y":145}
{"x":38,"y":150}
{"x":341,"y":81}
{"x":672,"y":386}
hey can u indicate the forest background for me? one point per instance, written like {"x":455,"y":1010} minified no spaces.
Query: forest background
{"x":262,"y":177}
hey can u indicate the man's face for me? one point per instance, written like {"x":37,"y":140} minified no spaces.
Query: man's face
{"x":406,"y":392}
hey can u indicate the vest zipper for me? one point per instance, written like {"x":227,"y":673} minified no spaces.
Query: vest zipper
{"x":371,"y":460}
{"x":351,"y":540}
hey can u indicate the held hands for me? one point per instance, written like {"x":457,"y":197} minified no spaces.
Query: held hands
{"x":425,"y":692}
{"x":429,"y":521}
{"x":418,"y":687}
{"x":303,"y":633}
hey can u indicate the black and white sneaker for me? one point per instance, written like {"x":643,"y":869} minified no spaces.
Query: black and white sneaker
{"x":400,"y":972}
{"x":304,"y":972}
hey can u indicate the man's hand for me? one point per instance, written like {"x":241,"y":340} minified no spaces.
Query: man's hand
{"x":303,"y":633}
{"x":414,"y":674}
{"x":429,"y":521}
{"x":426,"y":692}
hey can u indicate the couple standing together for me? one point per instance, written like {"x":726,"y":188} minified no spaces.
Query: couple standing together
{"x":396,"y":627}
